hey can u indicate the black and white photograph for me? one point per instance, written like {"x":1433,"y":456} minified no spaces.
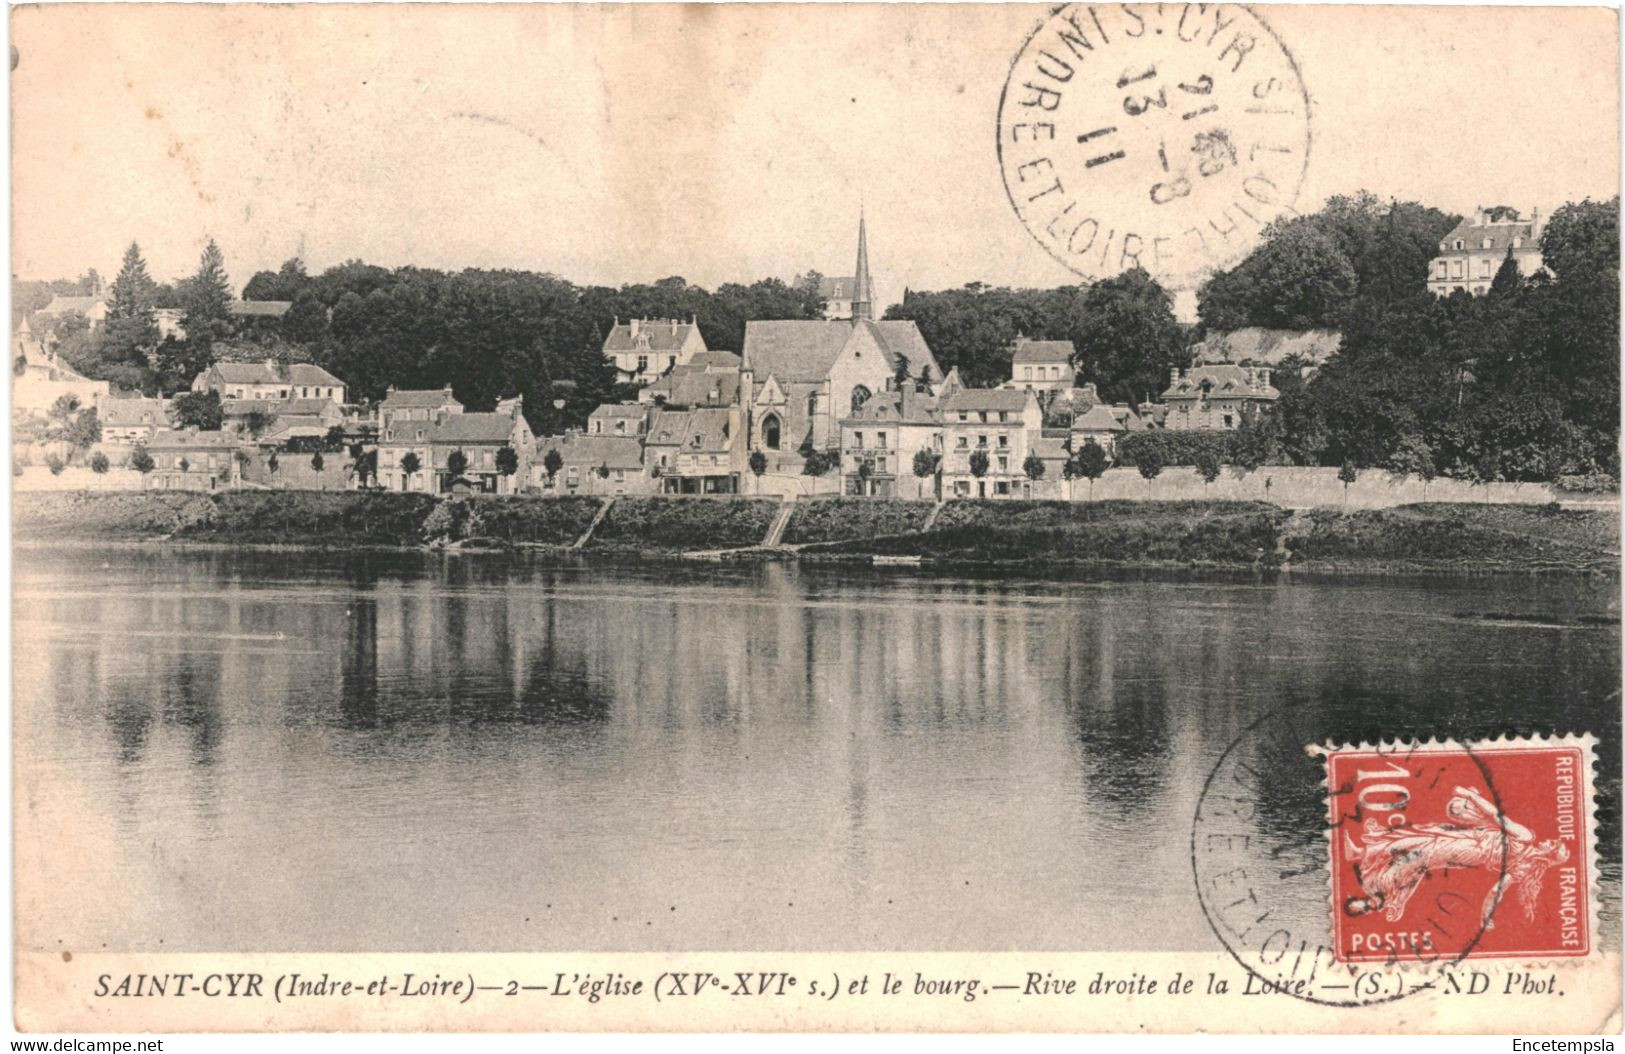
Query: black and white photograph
{"x":815,"y":518}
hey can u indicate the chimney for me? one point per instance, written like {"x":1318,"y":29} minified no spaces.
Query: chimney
{"x":1263,"y":376}
{"x":633,"y":323}
{"x":1173,"y":376}
{"x":1534,"y":225}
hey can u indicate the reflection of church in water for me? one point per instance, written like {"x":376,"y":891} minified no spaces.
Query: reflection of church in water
{"x":800,"y":378}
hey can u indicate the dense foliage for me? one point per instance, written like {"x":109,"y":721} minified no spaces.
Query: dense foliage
{"x":1520,"y":384}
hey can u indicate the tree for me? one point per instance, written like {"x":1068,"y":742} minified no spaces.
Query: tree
{"x":206,"y":300}
{"x":199,"y":410}
{"x":316,"y":461}
{"x":1580,"y":243}
{"x":1150,"y":462}
{"x":184,"y":464}
{"x":1033,"y":466}
{"x":366,"y":464}
{"x":63,"y":408}
{"x":1298,"y":278}
{"x":758,"y":465}
{"x":86,"y":429}
{"x":141,"y":461}
{"x":134,"y":294}
{"x":1507,"y":277}
{"x":978,"y":463}
{"x":507,"y":460}
{"x":99,"y":463}
{"x":411,"y":463}
{"x":1348,"y":474}
{"x":335,"y":438}
{"x":900,"y":374}
{"x":552,"y":462}
{"x":1090,"y":463}
{"x":456,"y":463}
{"x":926,"y":463}
{"x":1128,"y":338}
{"x":273,"y":463}
{"x":55,"y":464}
{"x":255,"y":422}
{"x":866,"y":469}
{"x":1207,"y":464}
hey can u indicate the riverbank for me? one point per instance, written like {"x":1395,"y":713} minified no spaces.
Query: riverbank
{"x":1454,"y":537}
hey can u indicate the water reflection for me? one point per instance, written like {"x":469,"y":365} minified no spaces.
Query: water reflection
{"x":304,"y":752}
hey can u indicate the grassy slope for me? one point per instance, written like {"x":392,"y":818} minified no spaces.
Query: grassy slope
{"x":682,"y":524}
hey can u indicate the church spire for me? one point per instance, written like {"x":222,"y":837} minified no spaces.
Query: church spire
{"x":863,"y":290}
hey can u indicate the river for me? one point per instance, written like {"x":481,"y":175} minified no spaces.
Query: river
{"x":225,"y":750}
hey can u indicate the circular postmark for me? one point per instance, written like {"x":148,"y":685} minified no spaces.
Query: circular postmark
{"x":1163,"y":136}
{"x":1267,"y":834}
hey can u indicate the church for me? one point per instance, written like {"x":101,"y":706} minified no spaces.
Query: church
{"x":800,"y":378}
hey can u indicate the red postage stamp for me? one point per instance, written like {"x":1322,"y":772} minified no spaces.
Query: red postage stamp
{"x":1443,"y":851}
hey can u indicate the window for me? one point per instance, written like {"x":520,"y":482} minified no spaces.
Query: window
{"x":420,"y":435}
{"x":1002,"y":487}
{"x":714,"y":461}
{"x":620,"y":475}
{"x":981,"y":441}
{"x":282,"y":393}
{"x":1483,"y":268}
{"x":857,"y":440}
{"x":1004,"y":416}
{"x":1517,"y":243}
{"x":963,"y":443}
{"x":982,"y":416}
{"x":812,"y":404}
{"x":643,"y":363}
{"x":1460,"y":244}
{"x":963,"y":416}
{"x":1004,"y":463}
{"x":1004,"y":441}
{"x":880,"y":440}
{"x":597,"y":427}
{"x":880,"y":464}
{"x":620,"y":427}
{"x":1455,"y":268}
{"x":1227,"y":421}
{"x":1488,"y":243}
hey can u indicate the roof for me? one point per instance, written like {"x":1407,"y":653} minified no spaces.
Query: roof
{"x":697,"y":388}
{"x":796,"y":350}
{"x":680,"y":427}
{"x":836,"y":287}
{"x":905,"y":407}
{"x":1268,"y":346}
{"x":471,"y":428}
{"x":259,"y":308}
{"x":717,"y":360}
{"x":1044,"y":351}
{"x":122,"y":413}
{"x":81,"y":304}
{"x":656,"y":334}
{"x":1502,"y":226}
{"x":613,"y":451}
{"x":986,"y":399}
{"x":620,"y":410}
{"x":1222,"y":380}
{"x":274,"y":373}
{"x":417,"y":398}
{"x":803,"y":351}
{"x":189,"y":440}
{"x":1100,"y":418}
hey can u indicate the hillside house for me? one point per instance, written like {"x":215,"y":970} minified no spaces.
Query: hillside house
{"x":1000,"y":424}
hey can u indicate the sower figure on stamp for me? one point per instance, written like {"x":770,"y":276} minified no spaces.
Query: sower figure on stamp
{"x":1392,"y":863}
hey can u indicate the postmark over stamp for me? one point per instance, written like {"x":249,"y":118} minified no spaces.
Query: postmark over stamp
{"x":1441,"y":852}
{"x":1163,"y":136}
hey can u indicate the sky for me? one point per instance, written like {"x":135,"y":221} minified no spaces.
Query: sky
{"x":720,"y":143}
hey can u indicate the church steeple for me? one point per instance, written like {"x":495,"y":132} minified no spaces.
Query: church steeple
{"x":863,"y":290}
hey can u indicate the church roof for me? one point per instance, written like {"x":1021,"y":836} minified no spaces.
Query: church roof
{"x":795,"y":350}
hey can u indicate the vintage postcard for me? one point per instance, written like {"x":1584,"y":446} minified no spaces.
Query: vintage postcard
{"x":855,"y":517}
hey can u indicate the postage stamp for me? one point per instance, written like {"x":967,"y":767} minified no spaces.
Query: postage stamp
{"x":1443,"y":851}
{"x":1162,"y":136}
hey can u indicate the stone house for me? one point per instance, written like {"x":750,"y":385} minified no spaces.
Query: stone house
{"x":1000,"y":423}
{"x":192,"y":460}
{"x":643,"y":349}
{"x":1215,"y":397}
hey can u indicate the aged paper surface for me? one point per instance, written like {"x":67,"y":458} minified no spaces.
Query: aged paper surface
{"x":281,"y":764}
